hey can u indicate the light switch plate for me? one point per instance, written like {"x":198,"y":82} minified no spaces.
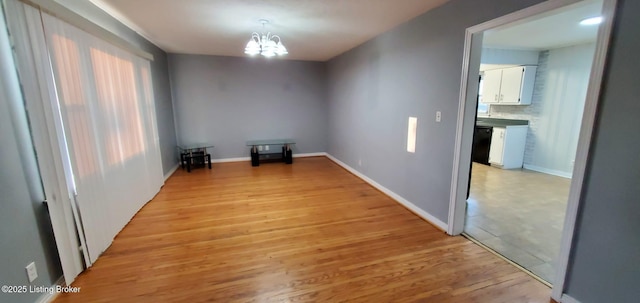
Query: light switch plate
{"x":32,"y":272}
{"x":438,"y":116}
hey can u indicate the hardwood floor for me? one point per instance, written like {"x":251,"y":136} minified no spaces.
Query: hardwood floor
{"x":307,"y":232}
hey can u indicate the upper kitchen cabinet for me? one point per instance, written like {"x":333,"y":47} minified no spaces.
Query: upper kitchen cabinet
{"x":508,"y":86}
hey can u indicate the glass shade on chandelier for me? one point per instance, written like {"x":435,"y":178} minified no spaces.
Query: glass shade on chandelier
{"x":266,"y":45}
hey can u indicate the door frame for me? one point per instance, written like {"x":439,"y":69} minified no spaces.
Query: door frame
{"x":466,"y":118}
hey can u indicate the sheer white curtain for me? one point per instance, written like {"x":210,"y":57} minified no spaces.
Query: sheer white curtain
{"x":107,"y":109}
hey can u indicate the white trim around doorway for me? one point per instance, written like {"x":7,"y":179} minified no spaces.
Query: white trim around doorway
{"x":584,"y":143}
{"x":464,"y":128}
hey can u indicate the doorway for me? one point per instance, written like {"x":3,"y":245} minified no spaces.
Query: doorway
{"x":531,"y":98}
{"x":468,"y":113}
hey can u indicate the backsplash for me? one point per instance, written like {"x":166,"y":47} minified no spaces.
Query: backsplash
{"x":527,"y":112}
{"x":555,"y":113}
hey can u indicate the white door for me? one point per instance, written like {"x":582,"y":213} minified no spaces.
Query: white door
{"x":496,"y":151}
{"x":491,"y":83}
{"x":511,"y":85}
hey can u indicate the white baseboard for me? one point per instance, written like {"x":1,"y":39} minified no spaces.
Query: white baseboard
{"x":548,"y":171}
{"x":240,"y":159}
{"x":568,"y":299}
{"x":173,"y":170}
{"x":244,"y":159}
{"x":321,"y":154}
{"x":50,"y":296}
{"x":412,"y":207}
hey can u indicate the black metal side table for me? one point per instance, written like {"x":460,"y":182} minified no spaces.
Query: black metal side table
{"x":260,"y":151}
{"x":194,"y":155}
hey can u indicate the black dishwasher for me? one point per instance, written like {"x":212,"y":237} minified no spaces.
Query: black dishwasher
{"x":481,"y":144}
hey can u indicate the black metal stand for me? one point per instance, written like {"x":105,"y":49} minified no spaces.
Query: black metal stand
{"x":194,"y":155}
{"x":285,"y":156}
{"x":195,"y":159}
{"x":255,"y":157}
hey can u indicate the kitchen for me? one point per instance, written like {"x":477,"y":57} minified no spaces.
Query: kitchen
{"x":531,"y":99}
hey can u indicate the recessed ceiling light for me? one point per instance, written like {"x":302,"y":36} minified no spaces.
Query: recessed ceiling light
{"x":591,"y":21}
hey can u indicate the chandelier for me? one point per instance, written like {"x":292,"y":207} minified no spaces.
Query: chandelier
{"x":267,"y":44}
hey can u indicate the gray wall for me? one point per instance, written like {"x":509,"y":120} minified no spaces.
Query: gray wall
{"x":555,"y":113}
{"x":509,"y":56}
{"x":26,"y":234}
{"x":159,"y":71}
{"x":25,"y":229}
{"x":605,"y":264}
{"x":415,"y":70}
{"x":227,"y":101}
{"x":412,"y":70}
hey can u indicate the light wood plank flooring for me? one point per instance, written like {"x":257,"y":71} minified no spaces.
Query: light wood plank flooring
{"x":520,"y":214}
{"x":307,"y":232}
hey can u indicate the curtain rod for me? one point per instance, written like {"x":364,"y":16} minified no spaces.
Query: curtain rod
{"x":65,"y":14}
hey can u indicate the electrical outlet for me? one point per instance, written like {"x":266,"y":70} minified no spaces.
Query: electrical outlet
{"x":266,"y":147}
{"x":259,"y":147}
{"x":32,"y":272}
{"x":438,"y":116}
{"x":359,"y":162}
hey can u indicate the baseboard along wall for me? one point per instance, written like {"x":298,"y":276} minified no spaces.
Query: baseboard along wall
{"x":404,"y":202}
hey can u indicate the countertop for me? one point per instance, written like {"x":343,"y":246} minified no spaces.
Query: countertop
{"x":496,"y":122}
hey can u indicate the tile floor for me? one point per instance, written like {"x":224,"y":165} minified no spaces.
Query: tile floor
{"x":519,"y":214}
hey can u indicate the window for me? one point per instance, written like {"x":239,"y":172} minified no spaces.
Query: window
{"x":483,"y":109}
{"x":107,"y":110}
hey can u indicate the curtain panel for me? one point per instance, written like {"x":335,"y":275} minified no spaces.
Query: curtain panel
{"x":107,"y":110}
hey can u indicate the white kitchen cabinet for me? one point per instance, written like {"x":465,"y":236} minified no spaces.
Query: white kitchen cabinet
{"x":507,"y":146}
{"x":491,"y":86}
{"x":508,"y":86}
{"x":497,"y":146}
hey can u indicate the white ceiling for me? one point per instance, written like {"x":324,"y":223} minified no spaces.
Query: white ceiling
{"x":554,"y":29}
{"x":315,"y":30}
